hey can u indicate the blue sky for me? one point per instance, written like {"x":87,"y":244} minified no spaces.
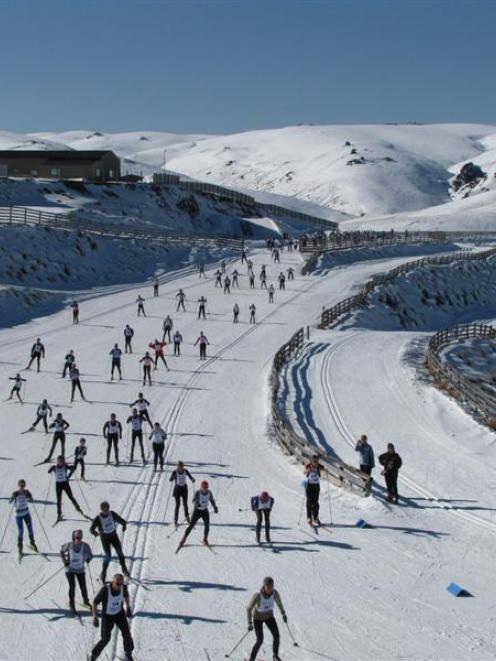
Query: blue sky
{"x":226,"y":66}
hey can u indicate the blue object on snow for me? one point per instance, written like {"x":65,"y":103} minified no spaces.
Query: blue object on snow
{"x":457,"y":591}
{"x":361,"y":523}
{"x":303,"y":483}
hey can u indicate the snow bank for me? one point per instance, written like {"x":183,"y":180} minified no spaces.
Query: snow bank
{"x":430,"y":298}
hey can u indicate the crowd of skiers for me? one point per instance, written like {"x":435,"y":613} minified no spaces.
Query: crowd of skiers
{"x":113,"y":598}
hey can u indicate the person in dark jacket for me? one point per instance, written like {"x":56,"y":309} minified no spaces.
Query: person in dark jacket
{"x":105,"y":525}
{"x":116,"y":608}
{"x":391,"y":461}
{"x":366,"y":453}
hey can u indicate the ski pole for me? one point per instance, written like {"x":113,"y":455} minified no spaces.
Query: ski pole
{"x":84,"y":497}
{"x":167,"y":502}
{"x":237,"y":645}
{"x":329,"y":496}
{"x":6,"y":525}
{"x":45,"y":582}
{"x":301,"y":510}
{"x":42,"y":526}
{"x":46,"y":495}
{"x":244,"y":509}
{"x":91,"y":578}
{"x":295,"y":644}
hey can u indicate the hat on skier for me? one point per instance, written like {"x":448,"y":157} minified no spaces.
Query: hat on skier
{"x":77,"y":533}
{"x":204,"y":484}
{"x":264,"y":496}
{"x":268,"y":582}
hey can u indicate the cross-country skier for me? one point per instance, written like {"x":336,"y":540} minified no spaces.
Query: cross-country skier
{"x":218,"y":278}
{"x":128,"y":338}
{"x":282,"y":280}
{"x":42,"y":412}
{"x":271,"y":291}
{"x":158,"y":438}
{"x":69,"y":361}
{"x":263,"y":281}
{"x":262,"y":506}
{"x":75,"y":312}
{"x":275,"y":255}
{"x":203,"y":342}
{"x":366,"y":453}
{"x":290,"y":272}
{"x":142,"y":405}
{"x":167,"y":327}
{"x":147,"y":361}
{"x":16,"y":388}
{"x":263,"y":272}
{"x":62,"y":470}
{"x":201,"y":500}
{"x":313,"y":471}
{"x":112,"y":432}
{"x":105,"y":525}
{"x":181,"y":297}
{"x":235,"y":275}
{"x":180,"y":478}
{"x":252,"y":309}
{"x":260,"y":611}
{"x":59,"y":426}
{"x":155,"y":287}
{"x":223,"y":266}
{"x":201,"y":270}
{"x":177,"y":339}
{"x":249,"y":265}
{"x":113,"y":596}
{"x":116,"y":354}
{"x":227,"y":285}
{"x":80,"y":452}
{"x":202,"y":302}
{"x":141,"y":308}
{"x":21,"y":498}
{"x":243,"y":256}
{"x":159,"y":347}
{"x":235,"y":313}
{"x":252,"y":280}
{"x":136,"y":422}
{"x":75,"y":383}
{"x":392,"y":462}
{"x":37,"y":353}
{"x":74,"y":555}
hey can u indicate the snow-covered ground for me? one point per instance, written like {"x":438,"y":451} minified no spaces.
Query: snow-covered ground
{"x":397,"y":176}
{"x":350,"y":594}
{"x":475,"y":358}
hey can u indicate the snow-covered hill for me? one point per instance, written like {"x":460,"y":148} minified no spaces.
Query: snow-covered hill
{"x":371,"y":173}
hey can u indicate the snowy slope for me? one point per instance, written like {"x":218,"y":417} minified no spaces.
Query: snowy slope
{"x":350,"y":594}
{"x":405,"y":168}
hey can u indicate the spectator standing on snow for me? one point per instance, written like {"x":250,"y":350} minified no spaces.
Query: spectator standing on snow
{"x":366,"y":454}
{"x":392,"y":463}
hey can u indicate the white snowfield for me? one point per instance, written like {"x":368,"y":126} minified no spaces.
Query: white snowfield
{"x":350,"y":594}
{"x":397,"y":176}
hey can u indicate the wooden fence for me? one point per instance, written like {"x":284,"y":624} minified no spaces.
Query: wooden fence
{"x":340,"y":473}
{"x":70,"y":223}
{"x":360,"y":300}
{"x":469,"y":390}
{"x":349,"y":240}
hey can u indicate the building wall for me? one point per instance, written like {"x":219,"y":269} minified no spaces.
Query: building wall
{"x":104,"y":169}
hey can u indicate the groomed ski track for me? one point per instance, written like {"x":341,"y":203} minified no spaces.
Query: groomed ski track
{"x":342,"y":590}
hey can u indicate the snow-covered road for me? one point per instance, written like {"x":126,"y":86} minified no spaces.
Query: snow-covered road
{"x":349,"y":593}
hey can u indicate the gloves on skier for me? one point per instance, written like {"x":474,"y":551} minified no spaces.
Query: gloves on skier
{"x":284,"y":618}
{"x":250,"y":627}
{"x":124,"y":526}
{"x":95,"y":621}
{"x":216,"y":510}
{"x":129,"y":612}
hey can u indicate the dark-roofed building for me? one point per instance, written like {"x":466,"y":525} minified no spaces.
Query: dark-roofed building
{"x":61,"y":164}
